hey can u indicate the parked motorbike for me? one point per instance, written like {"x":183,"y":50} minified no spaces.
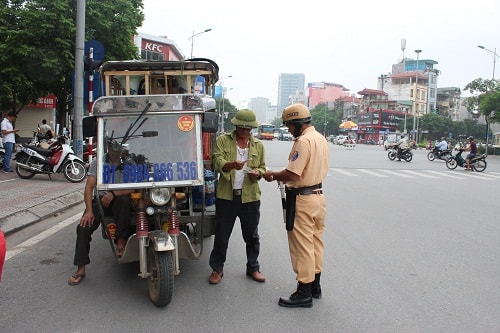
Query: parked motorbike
{"x":406,"y":154}
{"x":58,"y":157}
{"x":2,"y":153}
{"x":478,"y":163}
{"x":45,"y":140}
{"x":440,"y":154}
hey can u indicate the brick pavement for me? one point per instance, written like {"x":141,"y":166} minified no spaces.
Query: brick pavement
{"x":25,"y":201}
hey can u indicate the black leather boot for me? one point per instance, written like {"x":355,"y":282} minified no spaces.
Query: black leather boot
{"x":300,"y":299}
{"x":316,"y":287}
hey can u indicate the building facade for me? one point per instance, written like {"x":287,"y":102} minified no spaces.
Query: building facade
{"x":325,"y":93}
{"x":289,"y":85}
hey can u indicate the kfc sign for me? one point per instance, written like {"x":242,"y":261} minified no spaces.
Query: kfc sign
{"x":152,"y":46}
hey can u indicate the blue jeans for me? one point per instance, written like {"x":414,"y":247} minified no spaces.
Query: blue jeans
{"x":9,"y":148}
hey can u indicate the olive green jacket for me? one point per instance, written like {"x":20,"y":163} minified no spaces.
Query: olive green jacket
{"x":225,"y":151}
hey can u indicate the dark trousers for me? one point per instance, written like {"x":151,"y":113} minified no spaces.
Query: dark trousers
{"x":119,"y":209}
{"x":226,"y":213}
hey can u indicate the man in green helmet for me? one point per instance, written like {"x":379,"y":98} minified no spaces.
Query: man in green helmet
{"x":239,"y":160}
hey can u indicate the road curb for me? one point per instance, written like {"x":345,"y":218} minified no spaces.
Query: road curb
{"x":22,"y":219}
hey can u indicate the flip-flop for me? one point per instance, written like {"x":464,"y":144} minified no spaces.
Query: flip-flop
{"x":77,"y":277}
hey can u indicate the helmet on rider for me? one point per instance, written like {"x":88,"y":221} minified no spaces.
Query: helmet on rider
{"x":402,"y":136}
{"x":245,"y":118}
{"x":297,"y":115}
{"x":470,"y":138}
{"x":443,"y":138}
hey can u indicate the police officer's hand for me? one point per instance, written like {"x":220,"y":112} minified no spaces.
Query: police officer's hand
{"x":268,"y":175}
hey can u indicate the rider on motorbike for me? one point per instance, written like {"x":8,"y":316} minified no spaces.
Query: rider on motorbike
{"x":442,"y":145}
{"x":472,"y":148}
{"x":401,"y":144}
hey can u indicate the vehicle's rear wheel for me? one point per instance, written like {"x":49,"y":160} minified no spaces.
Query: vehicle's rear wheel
{"x":479,"y":166}
{"x":431,"y":156}
{"x":21,"y":172}
{"x":161,"y":280}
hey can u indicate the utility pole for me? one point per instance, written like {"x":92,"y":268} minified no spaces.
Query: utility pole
{"x":78,"y":92}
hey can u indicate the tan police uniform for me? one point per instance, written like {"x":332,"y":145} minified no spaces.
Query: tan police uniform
{"x":309,"y":159}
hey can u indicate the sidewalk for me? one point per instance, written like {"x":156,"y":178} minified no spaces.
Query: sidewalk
{"x":26,"y":201}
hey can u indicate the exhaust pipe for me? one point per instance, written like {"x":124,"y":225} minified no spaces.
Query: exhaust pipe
{"x":29,"y":167}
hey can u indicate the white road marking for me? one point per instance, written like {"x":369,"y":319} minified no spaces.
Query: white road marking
{"x":372,"y":173}
{"x":41,"y":236}
{"x":395,"y":173}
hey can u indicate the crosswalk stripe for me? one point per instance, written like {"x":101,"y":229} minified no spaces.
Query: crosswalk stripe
{"x":396,"y":173}
{"x":345,"y":172}
{"x":432,"y":174}
{"x":445,"y":173}
{"x":419,"y":174}
{"x":371,"y":173}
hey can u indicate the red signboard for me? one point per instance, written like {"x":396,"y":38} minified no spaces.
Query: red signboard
{"x":47,"y":102}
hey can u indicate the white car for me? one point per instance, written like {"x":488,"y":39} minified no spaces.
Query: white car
{"x":341,"y":139}
{"x":388,"y":143}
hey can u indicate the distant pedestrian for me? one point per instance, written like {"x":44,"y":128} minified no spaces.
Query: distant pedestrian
{"x":9,"y":139}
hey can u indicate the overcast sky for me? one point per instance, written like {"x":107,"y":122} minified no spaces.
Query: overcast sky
{"x":349,"y":43}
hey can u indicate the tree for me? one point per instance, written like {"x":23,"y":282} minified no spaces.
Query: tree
{"x":38,"y":53}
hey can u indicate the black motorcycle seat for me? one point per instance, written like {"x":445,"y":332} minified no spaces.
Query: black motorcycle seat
{"x":41,"y":151}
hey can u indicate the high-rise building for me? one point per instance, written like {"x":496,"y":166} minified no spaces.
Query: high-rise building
{"x":260,"y":106}
{"x":289,"y":85}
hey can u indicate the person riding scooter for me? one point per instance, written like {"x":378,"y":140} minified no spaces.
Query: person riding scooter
{"x":401,"y":144}
{"x":472,"y":148}
{"x":442,"y":146}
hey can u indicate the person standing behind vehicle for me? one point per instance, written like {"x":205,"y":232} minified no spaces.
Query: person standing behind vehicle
{"x":401,"y":144}
{"x":116,"y":203}
{"x":239,"y":159}
{"x":46,"y":130}
{"x":305,"y":203}
{"x":472,"y":148}
{"x":9,"y":139}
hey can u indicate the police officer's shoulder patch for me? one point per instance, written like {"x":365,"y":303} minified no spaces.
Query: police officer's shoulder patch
{"x":295,"y":155}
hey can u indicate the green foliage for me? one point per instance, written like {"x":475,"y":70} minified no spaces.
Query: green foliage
{"x":333,"y":118}
{"x":223,"y":105}
{"x":485,"y":98}
{"x":38,"y":44}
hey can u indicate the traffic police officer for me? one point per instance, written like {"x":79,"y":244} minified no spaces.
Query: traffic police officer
{"x":305,"y":203}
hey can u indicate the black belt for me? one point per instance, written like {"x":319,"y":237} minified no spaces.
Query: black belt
{"x":307,"y":190}
{"x":237,"y":192}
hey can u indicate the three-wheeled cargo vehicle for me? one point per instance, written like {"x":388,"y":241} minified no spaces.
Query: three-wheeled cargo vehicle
{"x":162,"y":118}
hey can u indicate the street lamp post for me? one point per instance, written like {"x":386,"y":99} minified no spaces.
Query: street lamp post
{"x":415,"y":98}
{"x":193,"y":36}
{"x":495,"y":56}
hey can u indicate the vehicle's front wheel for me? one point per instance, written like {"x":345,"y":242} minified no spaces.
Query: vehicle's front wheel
{"x":161,"y":279}
{"x":391,"y":155}
{"x":2,"y":157}
{"x":75,"y":171}
{"x":451,"y":163}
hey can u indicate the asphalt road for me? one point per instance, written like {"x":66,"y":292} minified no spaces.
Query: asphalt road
{"x":410,"y":247}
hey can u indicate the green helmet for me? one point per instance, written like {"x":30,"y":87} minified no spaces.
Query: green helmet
{"x":245,"y":118}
